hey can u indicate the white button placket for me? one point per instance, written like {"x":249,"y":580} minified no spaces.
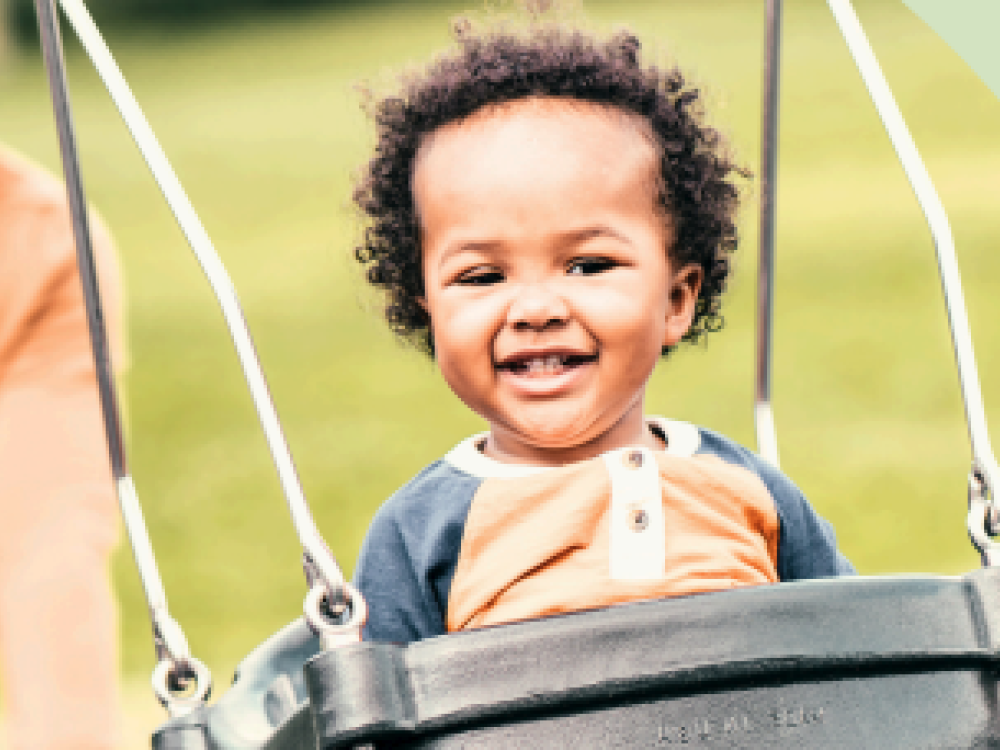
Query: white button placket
{"x":637,"y":544}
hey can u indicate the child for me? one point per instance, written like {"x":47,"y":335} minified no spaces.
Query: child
{"x":547,"y":217}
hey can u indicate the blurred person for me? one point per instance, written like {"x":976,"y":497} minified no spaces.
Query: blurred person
{"x":58,"y":512}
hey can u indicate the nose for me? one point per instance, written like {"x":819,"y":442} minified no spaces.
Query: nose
{"x":537,"y":307}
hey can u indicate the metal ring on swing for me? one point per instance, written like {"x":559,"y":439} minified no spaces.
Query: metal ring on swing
{"x":172,"y":684}
{"x":981,"y":520}
{"x":331,"y":632}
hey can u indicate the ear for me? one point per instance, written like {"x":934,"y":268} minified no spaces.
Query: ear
{"x":685,"y":284}
{"x":422,"y":301}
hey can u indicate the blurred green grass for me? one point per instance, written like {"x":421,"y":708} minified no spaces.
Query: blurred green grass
{"x":263,"y":125}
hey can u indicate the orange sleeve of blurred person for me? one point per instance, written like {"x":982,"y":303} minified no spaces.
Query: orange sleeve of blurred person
{"x":58,"y":512}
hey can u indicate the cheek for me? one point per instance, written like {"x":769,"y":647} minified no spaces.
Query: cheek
{"x":629,"y":319}
{"x":463,"y":332}
{"x":468,"y":372}
{"x":464,"y":322}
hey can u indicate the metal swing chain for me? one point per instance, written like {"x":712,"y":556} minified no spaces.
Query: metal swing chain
{"x":335,"y":600}
{"x":983,"y":519}
{"x":180,"y":681}
{"x":767,"y":439}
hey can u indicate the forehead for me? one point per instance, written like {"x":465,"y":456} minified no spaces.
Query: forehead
{"x":541,"y":142}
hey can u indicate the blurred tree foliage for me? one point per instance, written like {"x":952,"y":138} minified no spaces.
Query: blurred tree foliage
{"x":130,"y":15}
{"x":124,"y":16}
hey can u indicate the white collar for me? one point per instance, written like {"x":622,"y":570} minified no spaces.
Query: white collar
{"x":683,"y":439}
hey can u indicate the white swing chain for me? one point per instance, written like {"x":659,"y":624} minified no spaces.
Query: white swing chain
{"x":767,"y":437}
{"x":180,"y":681}
{"x":319,"y":562}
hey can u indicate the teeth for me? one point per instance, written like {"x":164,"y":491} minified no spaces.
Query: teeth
{"x":544,"y":365}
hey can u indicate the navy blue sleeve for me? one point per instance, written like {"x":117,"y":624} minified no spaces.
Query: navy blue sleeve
{"x":408,"y":557}
{"x":807,"y":545}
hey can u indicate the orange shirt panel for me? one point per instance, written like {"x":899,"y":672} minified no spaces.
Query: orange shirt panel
{"x":539,"y":545}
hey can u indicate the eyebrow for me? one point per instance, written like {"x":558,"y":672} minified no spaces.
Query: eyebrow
{"x":579,"y":235}
{"x":471,"y":246}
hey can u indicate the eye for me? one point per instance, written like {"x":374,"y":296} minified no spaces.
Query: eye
{"x":480,"y":276}
{"x":590,"y":266}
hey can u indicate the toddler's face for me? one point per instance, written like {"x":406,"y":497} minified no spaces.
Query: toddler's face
{"x":547,"y":277}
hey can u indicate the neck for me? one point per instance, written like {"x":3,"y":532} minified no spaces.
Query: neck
{"x":500,"y":447}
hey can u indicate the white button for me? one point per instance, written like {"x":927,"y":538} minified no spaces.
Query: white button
{"x":637,"y":544}
{"x":638,"y":519}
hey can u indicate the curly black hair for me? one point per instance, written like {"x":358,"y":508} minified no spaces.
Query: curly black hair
{"x":696,"y":186}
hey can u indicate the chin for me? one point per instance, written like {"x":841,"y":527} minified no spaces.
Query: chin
{"x":556,"y":440}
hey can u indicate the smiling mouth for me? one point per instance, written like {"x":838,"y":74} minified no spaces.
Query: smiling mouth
{"x":548,"y":364}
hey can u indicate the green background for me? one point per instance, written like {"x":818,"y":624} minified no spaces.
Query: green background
{"x":262,"y":122}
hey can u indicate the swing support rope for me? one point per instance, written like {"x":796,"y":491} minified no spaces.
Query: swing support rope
{"x":983,"y":519}
{"x":321,"y":568}
{"x":180,"y":681}
{"x":333,"y":608}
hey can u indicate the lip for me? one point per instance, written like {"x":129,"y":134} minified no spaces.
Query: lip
{"x":544,"y":384}
{"x":521,"y":355}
